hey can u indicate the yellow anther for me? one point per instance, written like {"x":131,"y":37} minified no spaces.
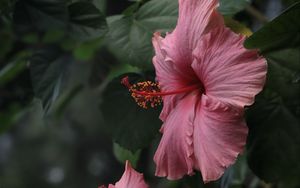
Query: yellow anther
{"x":144,"y":100}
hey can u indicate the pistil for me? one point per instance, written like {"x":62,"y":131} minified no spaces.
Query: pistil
{"x":148,"y":93}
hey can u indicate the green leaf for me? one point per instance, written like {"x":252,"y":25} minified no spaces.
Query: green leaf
{"x":131,"y":126}
{"x":280,"y":38}
{"x":101,"y":5}
{"x":11,"y":70}
{"x":10,"y":117}
{"x":273,"y":141}
{"x":6,"y":41}
{"x":274,"y":147}
{"x":281,"y":32}
{"x":86,"y":50}
{"x":230,"y":7}
{"x":81,"y":20}
{"x":86,"y":21}
{"x":6,"y":6}
{"x":284,"y":80}
{"x":64,"y":99}
{"x":48,"y":67}
{"x":131,"y":36}
{"x":40,"y":15}
{"x":131,"y":9}
{"x":30,"y":38}
{"x":53,"y":36}
{"x":121,"y":69}
{"x":123,"y":155}
{"x":274,"y":123}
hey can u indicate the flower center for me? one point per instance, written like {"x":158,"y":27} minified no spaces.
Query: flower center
{"x":148,"y":93}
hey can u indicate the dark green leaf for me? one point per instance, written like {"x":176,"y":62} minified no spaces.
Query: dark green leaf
{"x":40,"y":15}
{"x":64,"y":99}
{"x":86,"y":50}
{"x":286,"y":57}
{"x":158,"y":15}
{"x":53,"y":35}
{"x":280,"y":38}
{"x":11,"y":70}
{"x":284,"y":80}
{"x":6,"y":41}
{"x":10,"y":117}
{"x":230,"y":7}
{"x":6,"y":6}
{"x":81,"y":20}
{"x":48,"y":67}
{"x":86,"y":21}
{"x":30,"y":38}
{"x":281,"y":32}
{"x":131,"y":36}
{"x":131,"y":9}
{"x":101,"y":5}
{"x":273,"y":142}
{"x":121,"y":69}
{"x":132,"y":127}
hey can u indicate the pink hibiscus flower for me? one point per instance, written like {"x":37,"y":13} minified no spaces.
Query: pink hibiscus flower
{"x":130,"y":179}
{"x":206,"y":78}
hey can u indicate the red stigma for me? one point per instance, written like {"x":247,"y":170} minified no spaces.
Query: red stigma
{"x":125,"y":82}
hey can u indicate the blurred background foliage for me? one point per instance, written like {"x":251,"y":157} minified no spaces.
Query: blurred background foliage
{"x":66,"y":121}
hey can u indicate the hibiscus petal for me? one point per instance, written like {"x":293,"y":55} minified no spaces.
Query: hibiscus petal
{"x":130,"y":179}
{"x":220,"y":134}
{"x":173,"y":55}
{"x":167,"y":75}
{"x":173,"y":157}
{"x":196,"y":18}
{"x":228,"y":71}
